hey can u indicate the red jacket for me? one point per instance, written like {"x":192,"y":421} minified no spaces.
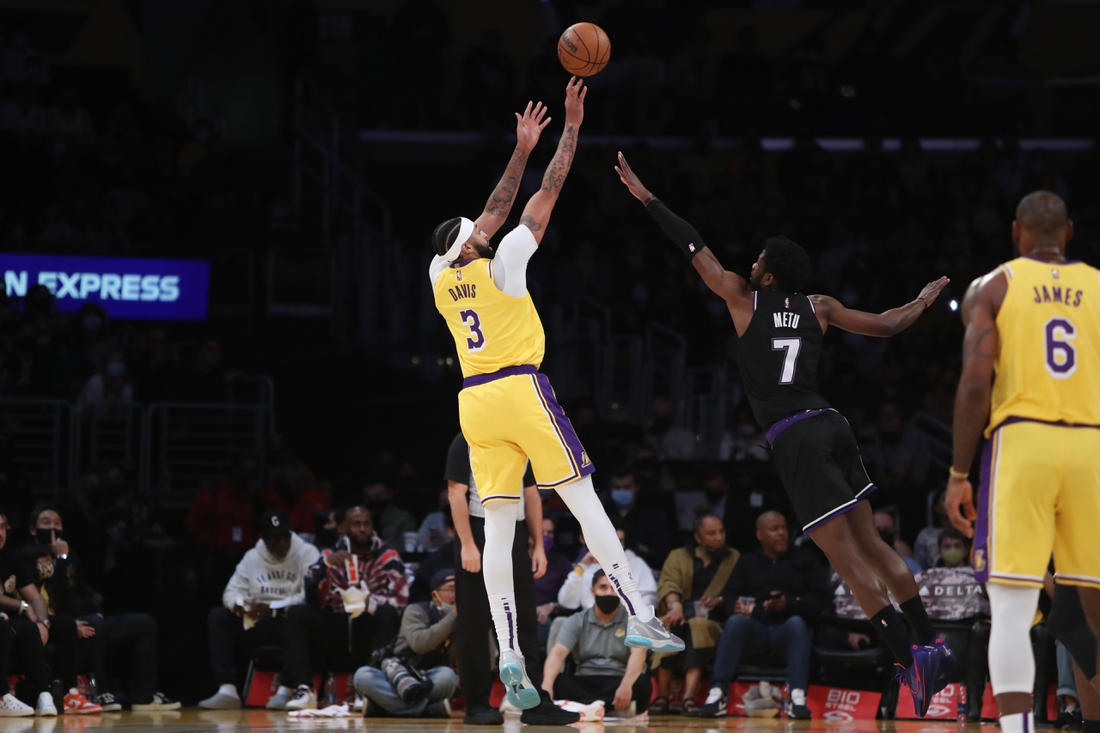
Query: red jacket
{"x":223,"y":518}
{"x":301,"y":511}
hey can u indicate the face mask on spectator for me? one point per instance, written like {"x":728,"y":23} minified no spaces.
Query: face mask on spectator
{"x":116,"y":369}
{"x":92,"y":323}
{"x":953,"y":558}
{"x":716,"y":553}
{"x":548,"y":542}
{"x":47,"y":536}
{"x":376,"y":506}
{"x":622,"y":497}
{"x":887,"y":536}
{"x":607,"y":604}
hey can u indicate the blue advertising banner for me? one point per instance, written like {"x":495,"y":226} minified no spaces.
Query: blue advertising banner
{"x":162,"y":290}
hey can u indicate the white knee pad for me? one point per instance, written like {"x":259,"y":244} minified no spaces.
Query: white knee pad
{"x":1011,"y":663}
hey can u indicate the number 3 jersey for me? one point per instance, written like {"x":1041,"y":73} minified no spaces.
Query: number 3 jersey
{"x":778,"y":355}
{"x":1048,"y":366}
{"x":492,"y":330}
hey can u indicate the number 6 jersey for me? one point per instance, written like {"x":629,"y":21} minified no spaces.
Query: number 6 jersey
{"x":778,"y":355}
{"x":1048,"y":365}
{"x":492,"y":329}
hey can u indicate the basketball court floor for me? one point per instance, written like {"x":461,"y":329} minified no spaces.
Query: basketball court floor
{"x":192,"y":719}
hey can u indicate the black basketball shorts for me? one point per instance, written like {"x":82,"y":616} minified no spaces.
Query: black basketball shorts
{"x":819,"y":463}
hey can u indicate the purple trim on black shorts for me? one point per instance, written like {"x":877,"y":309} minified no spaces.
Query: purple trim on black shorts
{"x":842,"y":509}
{"x":511,"y":371}
{"x":789,"y":420}
{"x":582,"y":466}
{"x":866,"y":491}
{"x":983,"y":536}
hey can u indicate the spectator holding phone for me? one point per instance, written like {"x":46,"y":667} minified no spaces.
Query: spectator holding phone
{"x":774,"y":594}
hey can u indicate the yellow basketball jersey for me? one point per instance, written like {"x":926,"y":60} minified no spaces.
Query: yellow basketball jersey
{"x":1048,"y":367}
{"x":491,"y":330}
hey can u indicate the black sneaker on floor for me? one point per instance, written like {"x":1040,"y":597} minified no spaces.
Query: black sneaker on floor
{"x":483,"y":716}
{"x":715,"y":706}
{"x":547,"y":713}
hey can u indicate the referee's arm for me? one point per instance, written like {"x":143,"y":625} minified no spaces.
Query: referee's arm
{"x":460,"y":514}
{"x":532,"y":515}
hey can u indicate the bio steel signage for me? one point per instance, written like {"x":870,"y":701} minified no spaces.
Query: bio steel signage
{"x":162,"y":290}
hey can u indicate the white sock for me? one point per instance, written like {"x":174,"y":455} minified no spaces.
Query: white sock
{"x":599,"y":535}
{"x":496,"y":567}
{"x":230,"y":690}
{"x":1018,"y":723}
{"x":283,"y":690}
{"x":798,"y":697}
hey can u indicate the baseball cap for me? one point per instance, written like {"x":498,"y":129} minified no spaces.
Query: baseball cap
{"x":441,"y":577}
{"x":274,"y":520}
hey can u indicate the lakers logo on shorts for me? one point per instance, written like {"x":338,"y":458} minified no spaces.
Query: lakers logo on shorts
{"x":584,"y":459}
{"x":979,"y":560}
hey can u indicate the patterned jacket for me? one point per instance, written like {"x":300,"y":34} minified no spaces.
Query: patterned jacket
{"x":382,"y":569}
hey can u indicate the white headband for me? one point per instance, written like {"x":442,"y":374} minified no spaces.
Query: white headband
{"x":465,"y":229}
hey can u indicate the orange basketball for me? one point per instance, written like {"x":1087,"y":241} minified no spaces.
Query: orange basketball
{"x":584,"y":49}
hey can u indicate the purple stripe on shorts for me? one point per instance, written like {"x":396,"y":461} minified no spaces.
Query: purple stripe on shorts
{"x":983,"y":536}
{"x":564,"y":428}
{"x":619,"y":588}
{"x":781,"y":425}
{"x":842,"y":509}
{"x":511,"y":371}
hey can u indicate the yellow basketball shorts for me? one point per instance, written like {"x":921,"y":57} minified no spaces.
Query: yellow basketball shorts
{"x":1039,"y":493}
{"x":511,"y":416}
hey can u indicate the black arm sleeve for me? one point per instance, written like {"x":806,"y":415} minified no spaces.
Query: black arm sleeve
{"x":678,"y":230}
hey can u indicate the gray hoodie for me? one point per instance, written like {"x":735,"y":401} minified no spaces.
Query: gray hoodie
{"x":260,"y":578}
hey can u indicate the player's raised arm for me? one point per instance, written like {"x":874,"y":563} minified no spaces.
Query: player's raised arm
{"x":529,"y":126}
{"x":536,"y":214}
{"x":728,"y":285}
{"x":884,"y":324}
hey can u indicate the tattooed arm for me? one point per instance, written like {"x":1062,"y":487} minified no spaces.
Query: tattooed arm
{"x":980,"y":344}
{"x":528,"y":128}
{"x":536,"y":215}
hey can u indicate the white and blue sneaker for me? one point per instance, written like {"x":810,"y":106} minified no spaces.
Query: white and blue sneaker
{"x":521,"y":691}
{"x":651,"y":635}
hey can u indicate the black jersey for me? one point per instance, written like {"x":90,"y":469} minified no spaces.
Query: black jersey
{"x":778,"y":355}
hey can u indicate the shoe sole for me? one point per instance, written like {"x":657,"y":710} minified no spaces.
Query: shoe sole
{"x":173,"y":706}
{"x":16,"y":713}
{"x":522,"y":697}
{"x":943,"y":673}
{"x":655,"y":645}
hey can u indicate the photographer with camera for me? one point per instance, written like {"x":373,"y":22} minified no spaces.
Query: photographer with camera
{"x":417,"y":680}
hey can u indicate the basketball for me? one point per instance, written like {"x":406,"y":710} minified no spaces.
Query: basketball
{"x":584,"y":49}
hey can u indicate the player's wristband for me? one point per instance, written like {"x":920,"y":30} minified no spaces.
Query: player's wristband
{"x":958,"y":474}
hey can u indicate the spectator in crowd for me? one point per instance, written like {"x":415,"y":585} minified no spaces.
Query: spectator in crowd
{"x":66,"y":632}
{"x":548,"y":586}
{"x":607,"y":669}
{"x":887,"y":530}
{"x":24,"y":632}
{"x":295,"y":489}
{"x":222,"y":519}
{"x":690,"y":590}
{"x":775,"y":595}
{"x":433,"y":533}
{"x":424,"y":643}
{"x":205,"y":379}
{"x":926,"y":548}
{"x":71,"y":597}
{"x":110,"y":384}
{"x":267,"y":582}
{"x":354,"y":594}
{"x":442,"y":559}
{"x":898,"y":457}
{"x":576,"y":591}
{"x":667,"y":440}
{"x":393,"y":521}
{"x":646,"y":529}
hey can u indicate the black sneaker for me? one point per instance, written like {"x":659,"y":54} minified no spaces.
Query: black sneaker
{"x":483,"y":716}
{"x":547,"y":713}
{"x":108,"y":702}
{"x":715,"y":706}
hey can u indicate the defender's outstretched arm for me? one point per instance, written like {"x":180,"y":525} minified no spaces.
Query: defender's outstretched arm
{"x":536,"y":214}
{"x":887,"y":323}
{"x":528,"y":128}
{"x":727,"y":285}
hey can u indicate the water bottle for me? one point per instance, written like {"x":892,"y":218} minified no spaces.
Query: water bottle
{"x":961,"y":707}
{"x":330,"y":690}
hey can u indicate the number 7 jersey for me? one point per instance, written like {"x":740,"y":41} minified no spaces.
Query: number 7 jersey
{"x":1048,"y":366}
{"x":491,"y":330}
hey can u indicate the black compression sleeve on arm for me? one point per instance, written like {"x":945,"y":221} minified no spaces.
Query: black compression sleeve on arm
{"x":678,"y":230}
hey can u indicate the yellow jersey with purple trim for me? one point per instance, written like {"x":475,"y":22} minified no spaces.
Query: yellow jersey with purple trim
{"x":1047,"y":368}
{"x":491,"y":330}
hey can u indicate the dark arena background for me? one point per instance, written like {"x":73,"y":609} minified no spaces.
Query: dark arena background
{"x":215,"y":231}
